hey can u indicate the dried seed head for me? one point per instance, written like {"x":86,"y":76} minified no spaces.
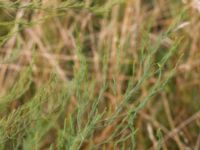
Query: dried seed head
{"x":196,"y":4}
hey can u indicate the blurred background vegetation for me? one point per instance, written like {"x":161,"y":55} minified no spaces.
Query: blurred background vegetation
{"x":100,"y":74}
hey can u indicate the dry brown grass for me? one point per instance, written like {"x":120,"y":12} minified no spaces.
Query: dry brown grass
{"x":53,"y":43}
